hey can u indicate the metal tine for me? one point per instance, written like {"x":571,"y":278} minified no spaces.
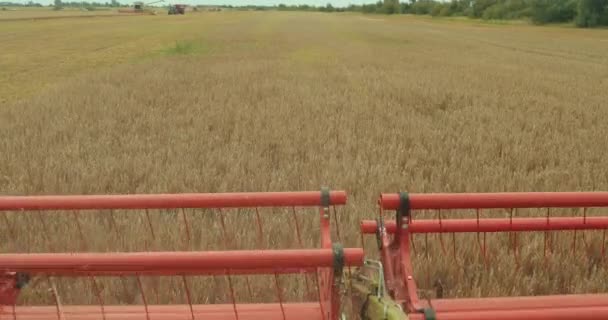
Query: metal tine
{"x":14,"y":311}
{"x":586,"y":244}
{"x":426,"y":246}
{"x":301,"y":244}
{"x":51,"y":248}
{"x":339,"y":236}
{"x":441,"y":234}
{"x":513,"y":211}
{"x":482,"y":247}
{"x":114,"y":226}
{"x":188,"y":296}
{"x":603,"y":244}
{"x":350,"y":287}
{"x":10,"y":226}
{"x":99,"y":297}
{"x":427,"y":255}
{"x":551,"y":235}
{"x":583,"y":232}
{"x":150,"y":225}
{"x":14,"y":308}
{"x":411,"y":234}
{"x":143,"y":296}
{"x":511,"y":233}
{"x":208,"y":248}
{"x":53,"y":289}
{"x":414,"y":249}
{"x":574,"y":233}
{"x":84,"y":247}
{"x":454,"y":247}
{"x":155,"y":287}
{"x":316,"y":280}
{"x":172,"y":297}
{"x":51,"y":283}
{"x":485,"y":250}
{"x":46,"y":231}
{"x":335,"y":215}
{"x":362,"y":240}
{"x":260,"y":230}
{"x":279,"y":294}
{"x":188,"y":244}
{"x":226,"y":246}
{"x":546,"y":237}
{"x":113,"y":221}
{"x":236,"y":313}
{"x":260,"y":234}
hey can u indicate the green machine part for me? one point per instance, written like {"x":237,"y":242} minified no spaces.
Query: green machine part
{"x":369,"y":295}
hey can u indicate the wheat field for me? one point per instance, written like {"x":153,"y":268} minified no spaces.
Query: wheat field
{"x":273,"y":101}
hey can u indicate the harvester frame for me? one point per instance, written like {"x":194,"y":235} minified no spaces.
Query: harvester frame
{"x":325,"y":263}
{"x":394,"y":238}
{"x":384,"y":289}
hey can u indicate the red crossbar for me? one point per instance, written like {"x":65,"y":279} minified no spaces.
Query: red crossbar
{"x":266,"y":311}
{"x":562,"y":307}
{"x":395,"y":246}
{"x":170,"y":201}
{"x":520,"y":303}
{"x":493,"y":225}
{"x":589,"y":313}
{"x":390,"y":201}
{"x":171,"y":263}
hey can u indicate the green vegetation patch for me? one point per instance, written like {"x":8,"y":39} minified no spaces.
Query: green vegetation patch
{"x":187,"y":47}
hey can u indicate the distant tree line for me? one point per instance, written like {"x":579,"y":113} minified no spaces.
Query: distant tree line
{"x":283,"y":7}
{"x":584,"y":13}
{"x":14,"y":4}
{"x":59,"y":4}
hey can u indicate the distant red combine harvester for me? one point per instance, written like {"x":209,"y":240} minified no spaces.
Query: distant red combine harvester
{"x":177,"y":9}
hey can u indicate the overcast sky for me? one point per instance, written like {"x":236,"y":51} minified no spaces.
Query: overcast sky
{"x":340,"y":3}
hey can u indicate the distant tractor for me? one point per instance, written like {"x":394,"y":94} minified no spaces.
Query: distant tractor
{"x":177,"y":9}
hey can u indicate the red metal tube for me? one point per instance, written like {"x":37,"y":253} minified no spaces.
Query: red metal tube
{"x":510,"y":303}
{"x":390,"y":201}
{"x":591,"y":313}
{"x":493,"y":225}
{"x":267,"y":311}
{"x":173,"y":263}
{"x":169,"y":201}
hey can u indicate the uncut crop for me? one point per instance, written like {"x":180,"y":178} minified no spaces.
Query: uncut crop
{"x":230,"y":102}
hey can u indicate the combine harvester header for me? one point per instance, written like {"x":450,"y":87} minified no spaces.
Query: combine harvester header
{"x":395,"y":243}
{"x":328,"y":274}
{"x":324,"y":263}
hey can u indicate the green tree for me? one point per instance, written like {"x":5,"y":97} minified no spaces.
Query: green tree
{"x":591,"y":13}
{"x":436,"y":10}
{"x":390,"y":7}
{"x":546,"y":11}
{"x":368,"y":8}
{"x":423,"y":6}
{"x":479,"y":6}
